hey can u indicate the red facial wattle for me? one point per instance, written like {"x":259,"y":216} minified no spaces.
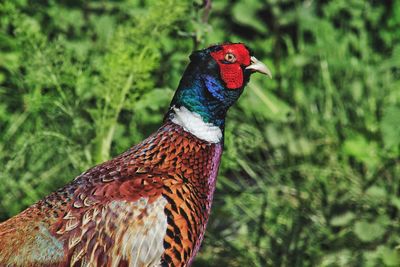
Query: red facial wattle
{"x":232,"y":73}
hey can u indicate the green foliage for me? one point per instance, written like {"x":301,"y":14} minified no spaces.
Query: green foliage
{"x":70,"y":87}
{"x":310,"y":175}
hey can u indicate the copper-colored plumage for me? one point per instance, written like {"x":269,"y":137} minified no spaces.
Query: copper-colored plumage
{"x":82,"y":218}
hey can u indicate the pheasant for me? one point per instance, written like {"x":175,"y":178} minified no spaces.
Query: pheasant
{"x":148,"y":206}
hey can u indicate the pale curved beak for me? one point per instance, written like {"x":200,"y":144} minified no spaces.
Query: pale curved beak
{"x":258,"y":66}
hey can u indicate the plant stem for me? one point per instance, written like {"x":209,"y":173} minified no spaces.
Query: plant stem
{"x":106,"y":134}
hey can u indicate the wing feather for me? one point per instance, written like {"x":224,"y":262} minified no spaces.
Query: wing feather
{"x":119,"y":230}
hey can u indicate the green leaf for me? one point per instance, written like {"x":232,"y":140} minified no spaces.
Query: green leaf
{"x":390,"y":127}
{"x":367,"y":232}
{"x":343,"y":219}
{"x":265,"y":104}
{"x":362,"y":150}
{"x":376,"y":195}
{"x":245,"y":13}
{"x":390,"y":257}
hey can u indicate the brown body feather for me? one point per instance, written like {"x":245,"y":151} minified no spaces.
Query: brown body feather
{"x":162,"y":181}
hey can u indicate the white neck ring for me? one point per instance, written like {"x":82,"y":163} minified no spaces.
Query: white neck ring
{"x":194,"y":124}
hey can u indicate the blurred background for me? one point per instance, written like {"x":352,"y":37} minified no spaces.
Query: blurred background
{"x":310,"y":174}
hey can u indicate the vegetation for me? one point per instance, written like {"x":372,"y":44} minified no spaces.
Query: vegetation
{"x":311,"y":170}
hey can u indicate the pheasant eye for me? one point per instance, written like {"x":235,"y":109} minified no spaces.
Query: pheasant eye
{"x":230,"y":57}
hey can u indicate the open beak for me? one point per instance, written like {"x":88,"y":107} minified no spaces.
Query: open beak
{"x":258,"y":66}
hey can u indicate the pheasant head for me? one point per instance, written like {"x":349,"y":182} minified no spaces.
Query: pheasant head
{"x":213,"y":81}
